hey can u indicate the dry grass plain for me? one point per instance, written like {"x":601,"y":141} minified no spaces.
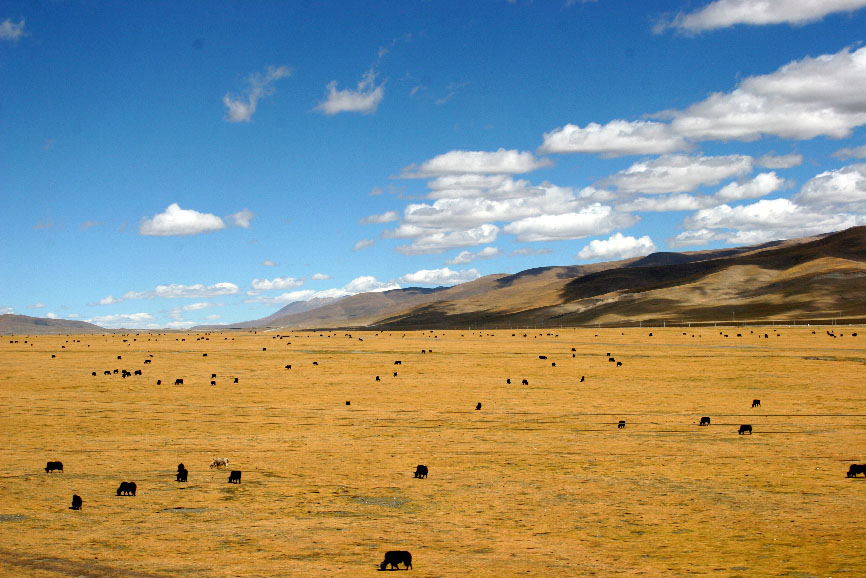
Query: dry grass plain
{"x":540,"y":481}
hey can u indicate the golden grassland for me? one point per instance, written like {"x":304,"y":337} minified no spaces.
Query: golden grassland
{"x":540,"y":481}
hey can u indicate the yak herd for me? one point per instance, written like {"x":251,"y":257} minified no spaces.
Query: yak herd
{"x":396,"y":557}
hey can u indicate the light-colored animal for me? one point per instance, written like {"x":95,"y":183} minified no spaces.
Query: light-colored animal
{"x":219,"y":463}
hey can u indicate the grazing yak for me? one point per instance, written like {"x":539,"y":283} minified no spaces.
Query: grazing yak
{"x":705,"y":421}
{"x":51,"y":466}
{"x":182,"y":473}
{"x":420,"y":471}
{"x":126,"y":489}
{"x":76,"y":502}
{"x":756,"y":403}
{"x":856,"y":469}
{"x":525,"y":382}
{"x":621,"y":424}
{"x":235,"y":477}
{"x":178,"y":381}
{"x":219,"y":463}
{"x":395,"y":558}
{"x":477,"y":407}
{"x":745,"y":428}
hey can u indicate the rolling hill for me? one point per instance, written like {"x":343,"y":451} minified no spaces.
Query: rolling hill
{"x":801,"y":279}
{"x":24,"y":325}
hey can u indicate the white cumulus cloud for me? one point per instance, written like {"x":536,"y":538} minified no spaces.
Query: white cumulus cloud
{"x":176,"y":291}
{"x":616,"y":138}
{"x":276,"y":283}
{"x":437,"y":242}
{"x":465,"y":257}
{"x":459,"y":162}
{"x":363,"y":244}
{"x":821,"y":96}
{"x":679,"y":173}
{"x":444,"y":276}
{"x":617,"y":246}
{"x":128,"y":320}
{"x":320,"y":277}
{"x":590,"y":220}
{"x":762,"y":185}
{"x":242,"y":108}
{"x":839,"y":187}
{"x":364,"y":99}
{"x":727,"y":13}
{"x":176,"y":221}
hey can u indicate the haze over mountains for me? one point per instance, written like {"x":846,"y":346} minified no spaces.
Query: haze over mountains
{"x":816,"y":278}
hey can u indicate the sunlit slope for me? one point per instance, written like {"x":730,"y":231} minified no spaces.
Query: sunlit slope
{"x":815,"y":278}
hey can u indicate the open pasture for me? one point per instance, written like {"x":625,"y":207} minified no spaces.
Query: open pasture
{"x":539,"y":481}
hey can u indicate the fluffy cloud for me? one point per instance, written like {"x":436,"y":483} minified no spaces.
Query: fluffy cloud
{"x":464,"y":213}
{"x":129,"y":320}
{"x":820,"y":96}
{"x":364,"y":99}
{"x":110,"y":300}
{"x":5,"y":310}
{"x":459,"y":162}
{"x":383,"y":218}
{"x":763,"y":184}
{"x":12,"y":32}
{"x":591,"y":220}
{"x":242,"y":218}
{"x":437,"y":242}
{"x":679,"y":173}
{"x":770,"y":219}
{"x":843,"y":186}
{"x":368,"y":284}
{"x":241,"y":109}
{"x":269,"y":263}
{"x":666,"y":203}
{"x":177,"y":221}
{"x":726,"y":13}
{"x":617,"y":247}
{"x":616,"y":138}
{"x":694,"y":238}
{"x":363,"y":244}
{"x":465,"y":257}
{"x":444,"y":276}
{"x":320,"y":277}
{"x":277,"y":283}
{"x":175,"y":291}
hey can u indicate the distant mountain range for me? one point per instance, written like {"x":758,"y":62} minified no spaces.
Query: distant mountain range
{"x":815,"y":278}
{"x":812,"y":278}
{"x":25,"y":325}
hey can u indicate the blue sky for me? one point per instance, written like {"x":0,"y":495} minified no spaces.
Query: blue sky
{"x":167,"y":164}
